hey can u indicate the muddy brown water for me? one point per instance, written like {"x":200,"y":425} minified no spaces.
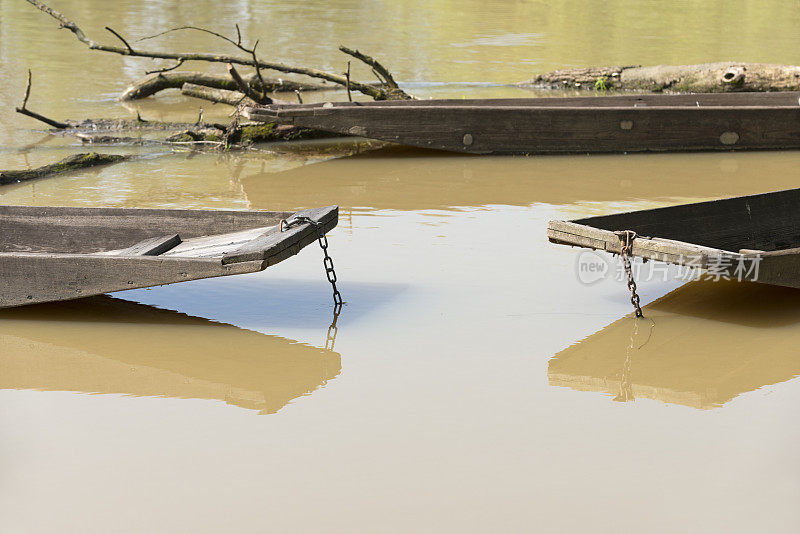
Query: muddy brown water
{"x":472,"y":381}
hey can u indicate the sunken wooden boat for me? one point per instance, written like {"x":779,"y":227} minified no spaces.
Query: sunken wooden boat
{"x":627,"y":123}
{"x":749,"y":238}
{"x":57,"y":253}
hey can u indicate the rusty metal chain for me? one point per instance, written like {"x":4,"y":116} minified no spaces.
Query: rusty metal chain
{"x":627,"y":237}
{"x":327,"y":261}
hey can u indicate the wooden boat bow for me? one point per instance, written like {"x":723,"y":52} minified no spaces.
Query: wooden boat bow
{"x":54,"y":253}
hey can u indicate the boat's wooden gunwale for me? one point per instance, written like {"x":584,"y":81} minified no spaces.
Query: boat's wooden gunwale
{"x":650,"y":248}
{"x":752,"y":237}
{"x":89,"y":230}
{"x":30,"y":277}
{"x":563,"y":128}
{"x":786,"y":98}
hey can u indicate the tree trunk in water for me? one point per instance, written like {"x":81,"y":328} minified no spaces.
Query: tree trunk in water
{"x":703,"y":78}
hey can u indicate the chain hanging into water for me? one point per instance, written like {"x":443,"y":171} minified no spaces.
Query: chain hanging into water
{"x":327,"y":261}
{"x":627,"y":237}
{"x":330,"y":339}
{"x":625,"y":387}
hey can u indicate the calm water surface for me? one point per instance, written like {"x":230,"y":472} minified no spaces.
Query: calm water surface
{"x":471,"y":384}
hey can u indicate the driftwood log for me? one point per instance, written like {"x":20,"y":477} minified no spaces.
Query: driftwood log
{"x":71,"y":163}
{"x":702,"y":78}
{"x":217,"y":96}
{"x":153,"y":83}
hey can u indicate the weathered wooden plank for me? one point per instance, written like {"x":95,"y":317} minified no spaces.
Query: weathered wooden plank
{"x":768,"y":221}
{"x":272,"y":243}
{"x":215,"y":245}
{"x":787,"y":98}
{"x":29,"y":278}
{"x":568,"y":125}
{"x":670,"y":251}
{"x":764,"y":228}
{"x":90,"y":230}
{"x":150,"y":247}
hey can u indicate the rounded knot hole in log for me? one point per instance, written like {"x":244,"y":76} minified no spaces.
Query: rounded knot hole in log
{"x":467,"y":139}
{"x":733,"y":76}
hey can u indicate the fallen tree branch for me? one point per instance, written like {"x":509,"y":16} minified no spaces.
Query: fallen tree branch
{"x":385,"y":75}
{"x":71,"y":163}
{"x":218,"y":96}
{"x":377,"y":93}
{"x":159,"y":81}
{"x":701,"y":78}
{"x":25,"y":111}
{"x":166,"y":69}
{"x":245,"y":88}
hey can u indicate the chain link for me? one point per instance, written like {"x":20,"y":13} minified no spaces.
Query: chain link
{"x":627,"y":237}
{"x":327,"y":261}
{"x":330,"y":339}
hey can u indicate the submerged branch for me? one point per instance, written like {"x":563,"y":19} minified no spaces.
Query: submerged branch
{"x":71,"y":163}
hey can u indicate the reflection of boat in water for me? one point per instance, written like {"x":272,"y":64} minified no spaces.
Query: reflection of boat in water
{"x":711,"y":342}
{"x":106,"y":345}
{"x":413,"y":179}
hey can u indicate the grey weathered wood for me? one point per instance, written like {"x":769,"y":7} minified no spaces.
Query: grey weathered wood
{"x":216,"y":245}
{"x":273,"y":242}
{"x":625,"y":123}
{"x":767,"y":225}
{"x":151,"y":247}
{"x":40,"y":267}
{"x":88,"y":230}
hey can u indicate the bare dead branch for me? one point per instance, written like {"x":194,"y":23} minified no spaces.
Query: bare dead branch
{"x":382,"y":71}
{"x":32,"y":114}
{"x":159,"y":81}
{"x":347,"y":75}
{"x":255,"y":62}
{"x":166,"y":69}
{"x":118,"y":36}
{"x":378,"y":77}
{"x":27,"y":90}
{"x":377,"y":93}
{"x":245,"y":88}
{"x":199,"y":29}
